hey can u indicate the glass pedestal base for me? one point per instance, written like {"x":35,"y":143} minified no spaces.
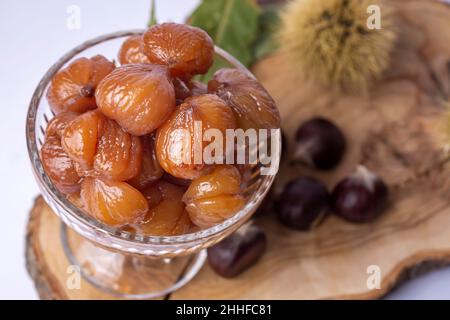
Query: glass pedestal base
{"x":129,"y":276}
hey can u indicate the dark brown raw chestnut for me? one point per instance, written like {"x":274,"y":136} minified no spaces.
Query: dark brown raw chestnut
{"x":319,"y":144}
{"x":303,"y":203}
{"x":360,"y":197}
{"x":267,"y":206}
{"x":284,"y":145}
{"x":238,"y":252}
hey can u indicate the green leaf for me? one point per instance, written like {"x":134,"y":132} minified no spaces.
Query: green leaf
{"x":268,"y":23}
{"x":152,"y":20}
{"x":265,"y":45}
{"x":232,"y":24}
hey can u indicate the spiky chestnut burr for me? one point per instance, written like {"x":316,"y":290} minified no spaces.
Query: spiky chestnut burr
{"x":330,"y":42}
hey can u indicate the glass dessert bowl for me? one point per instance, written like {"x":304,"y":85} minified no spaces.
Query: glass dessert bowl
{"x":120,"y":262}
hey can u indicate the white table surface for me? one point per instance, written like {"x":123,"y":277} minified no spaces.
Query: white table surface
{"x":34,"y":34}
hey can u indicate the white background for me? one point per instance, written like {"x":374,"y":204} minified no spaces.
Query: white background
{"x":33,"y":35}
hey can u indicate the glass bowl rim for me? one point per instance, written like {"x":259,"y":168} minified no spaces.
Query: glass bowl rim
{"x":92,"y":223}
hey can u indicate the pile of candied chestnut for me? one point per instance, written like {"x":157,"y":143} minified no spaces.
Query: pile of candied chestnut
{"x":112,"y":144}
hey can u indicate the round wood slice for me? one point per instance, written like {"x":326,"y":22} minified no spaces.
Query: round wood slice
{"x":45,"y":259}
{"x":395,"y":130}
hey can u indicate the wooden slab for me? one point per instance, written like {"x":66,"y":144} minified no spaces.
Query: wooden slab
{"x":45,"y":259}
{"x":395,"y":130}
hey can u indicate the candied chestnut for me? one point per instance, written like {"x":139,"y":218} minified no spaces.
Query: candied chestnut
{"x":118,"y":154}
{"x":186,"y":50}
{"x":77,"y":201}
{"x":253,"y":105}
{"x":214,"y":197}
{"x":360,"y":197}
{"x":79,"y":138}
{"x":140,"y":97}
{"x":303,"y":204}
{"x":73,"y":88}
{"x":100,"y":147}
{"x":177,"y":138}
{"x":58,"y":166}
{"x":57,"y":125}
{"x":150,"y":170}
{"x":237,"y":252}
{"x":131,"y":51}
{"x":319,"y":144}
{"x":167,"y":215}
{"x":153,"y":195}
{"x":113,"y":202}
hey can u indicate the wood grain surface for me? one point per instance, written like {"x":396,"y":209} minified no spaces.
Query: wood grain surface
{"x":395,"y":129}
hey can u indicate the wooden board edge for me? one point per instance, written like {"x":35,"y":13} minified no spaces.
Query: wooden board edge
{"x":412,"y":267}
{"x":45,"y":282}
{"x":48,"y":288}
